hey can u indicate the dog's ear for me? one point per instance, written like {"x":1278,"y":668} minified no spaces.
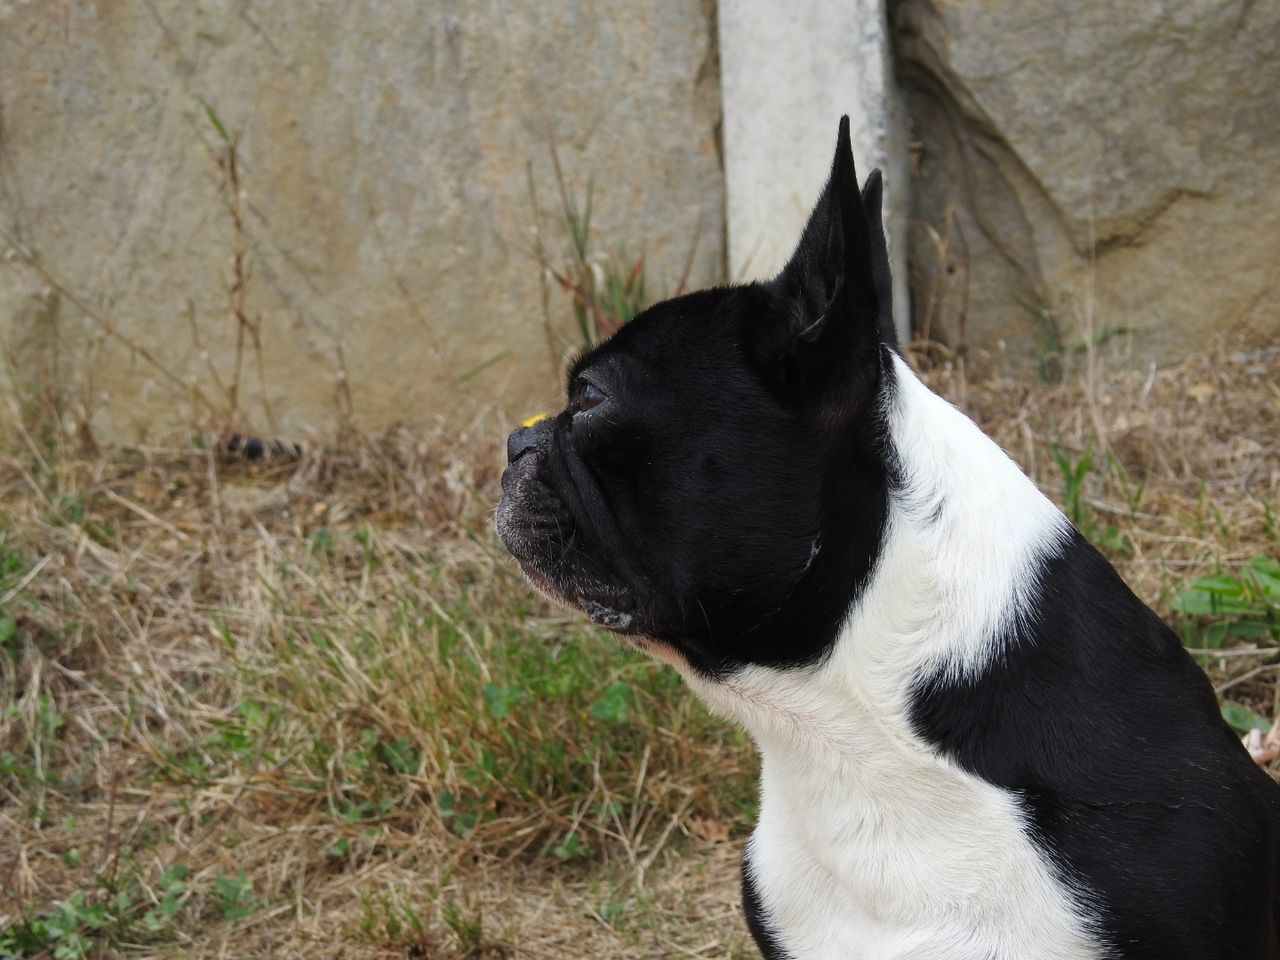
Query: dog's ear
{"x":881,"y":277}
{"x":827,"y":341}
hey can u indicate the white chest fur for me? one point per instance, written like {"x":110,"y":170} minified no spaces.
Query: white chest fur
{"x":870,"y":844}
{"x":907,"y":857}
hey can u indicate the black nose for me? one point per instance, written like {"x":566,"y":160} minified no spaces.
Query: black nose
{"x":522,"y":440}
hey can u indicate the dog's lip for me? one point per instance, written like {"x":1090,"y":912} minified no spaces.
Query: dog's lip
{"x":509,"y":475}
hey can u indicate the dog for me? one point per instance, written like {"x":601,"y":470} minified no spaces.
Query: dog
{"x":976,"y":743}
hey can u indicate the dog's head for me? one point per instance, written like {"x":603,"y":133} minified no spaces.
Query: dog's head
{"x":718,"y":480}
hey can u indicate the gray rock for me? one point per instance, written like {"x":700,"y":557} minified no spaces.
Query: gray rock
{"x":1085,"y":167}
{"x":383,"y":153}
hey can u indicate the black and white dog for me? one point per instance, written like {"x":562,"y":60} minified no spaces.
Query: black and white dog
{"x":976,"y":742}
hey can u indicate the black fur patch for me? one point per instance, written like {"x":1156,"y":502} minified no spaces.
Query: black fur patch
{"x":1099,"y":721}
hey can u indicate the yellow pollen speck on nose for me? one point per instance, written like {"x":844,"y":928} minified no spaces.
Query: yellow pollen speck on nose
{"x":530,"y":421}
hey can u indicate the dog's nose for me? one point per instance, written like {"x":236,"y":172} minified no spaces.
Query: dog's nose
{"x":521,"y":441}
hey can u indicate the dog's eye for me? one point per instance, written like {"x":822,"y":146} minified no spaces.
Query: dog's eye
{"x":589,"y":396}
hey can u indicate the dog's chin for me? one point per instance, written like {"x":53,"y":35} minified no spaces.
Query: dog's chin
{"x":613,"y":610}
{"x":545,"y":586}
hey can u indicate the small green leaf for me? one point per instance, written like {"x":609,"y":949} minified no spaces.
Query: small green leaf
{"x":1207,"y":603}
{"x":1269,"y":566}
{"x":612,"y":912}
{"x":400,"y":755}
{"x":1242,"y":630}
{"x":612,"y":706}
{"x":608,"y":809}
{"x":501,"y":699}
{"x":8,"y":627}
{"x":71,"y":947}
{"x":253,"y":713}
{"x":1266,"y":574}
{"x":572,"y":847}
{"x":224,"y":631}
{"x":1221,"y":585}
{"x":173,"y":880}
{"x":217,"y":123}
{"x":235,"y":896}
{"x":1243,"y":719}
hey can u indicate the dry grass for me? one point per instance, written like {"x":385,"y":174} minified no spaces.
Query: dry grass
{"x":322,"y":672}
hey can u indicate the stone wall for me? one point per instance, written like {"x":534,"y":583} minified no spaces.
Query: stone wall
{"x":383,"y":155}
{"x":1082,"y":168}
{"x":1075,"y":169}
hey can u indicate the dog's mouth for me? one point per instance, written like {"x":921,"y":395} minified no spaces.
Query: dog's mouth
{"x":613,"y":608}
{"x":607,"y":604}
{"x":532,"y":525}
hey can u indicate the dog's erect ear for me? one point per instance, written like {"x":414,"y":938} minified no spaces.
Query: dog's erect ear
{"x":830,"y":335}
{"x":881,"y":278}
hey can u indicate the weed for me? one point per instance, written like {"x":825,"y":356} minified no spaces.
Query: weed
{"x":1053,"y":349}
{"x":1242,"y":719}
{"x":1075,"y":477}
{"x":247,"y":329}
{"x":68,"y":930}
{"x":387,"y":919}
{"x":234,"y":896}
{"x":466,"y":922}
{"x":612,"y":707}
{"x":572,"y":847}
{"x":604,"y":291}
{"x":172,"y":886}
{"x":1236,"y":606}
{"x":117,"y":909}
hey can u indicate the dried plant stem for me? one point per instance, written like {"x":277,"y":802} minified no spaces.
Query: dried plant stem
{"x":246,"y":328}
{"x":103,"y":323}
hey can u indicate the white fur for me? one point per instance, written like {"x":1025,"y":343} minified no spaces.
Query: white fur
{"x":870,"y":844}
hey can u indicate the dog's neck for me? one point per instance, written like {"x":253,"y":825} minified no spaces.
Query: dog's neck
{"x":966,"y":535}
